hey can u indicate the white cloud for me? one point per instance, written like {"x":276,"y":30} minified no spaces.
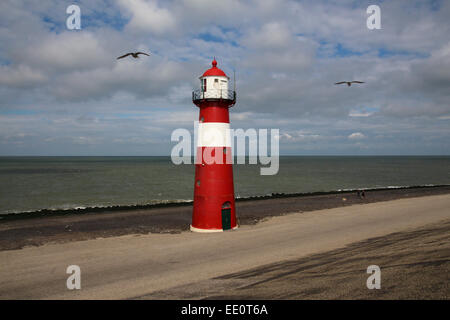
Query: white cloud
{"x":272,"y":35}
{"x":300,"y":136}
{"x":86,"y":140}
{"x":21,"y":76}
{"x":356,"y":113}
{"x":147,"y":16}
{"x":65,"y":52}
{"x":242,"y":116}
{"x":356,"y":136}
{"x":140,"y":78}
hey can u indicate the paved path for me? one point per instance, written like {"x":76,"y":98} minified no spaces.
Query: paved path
{"x":137,"y":266}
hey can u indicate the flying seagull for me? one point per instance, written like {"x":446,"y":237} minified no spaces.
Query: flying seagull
{"x":349,"y":83}
{"x":133,"y":54}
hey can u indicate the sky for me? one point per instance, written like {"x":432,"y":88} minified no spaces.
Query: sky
{"x":63,"y":93}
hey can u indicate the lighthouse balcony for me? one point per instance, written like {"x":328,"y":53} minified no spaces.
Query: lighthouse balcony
{"x":213,"y":94}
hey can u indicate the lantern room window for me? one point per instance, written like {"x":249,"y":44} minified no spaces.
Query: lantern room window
{"x":203,"y":85}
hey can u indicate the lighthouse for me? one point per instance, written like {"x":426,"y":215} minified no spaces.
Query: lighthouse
{"x":214,"y":207}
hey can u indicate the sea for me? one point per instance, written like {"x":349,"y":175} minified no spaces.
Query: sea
{"x":29,"y":184}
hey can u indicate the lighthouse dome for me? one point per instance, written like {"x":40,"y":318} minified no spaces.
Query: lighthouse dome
{"x":214,"y":71}
{"x":214,"y":85}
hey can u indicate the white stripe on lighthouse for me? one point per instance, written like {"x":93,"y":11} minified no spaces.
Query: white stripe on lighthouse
{"x":214,"y":134}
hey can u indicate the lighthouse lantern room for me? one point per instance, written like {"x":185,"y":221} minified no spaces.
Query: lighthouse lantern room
{"x":214,"y":205}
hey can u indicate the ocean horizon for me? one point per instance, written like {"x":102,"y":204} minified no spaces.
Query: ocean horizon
{"x":32,"y":183}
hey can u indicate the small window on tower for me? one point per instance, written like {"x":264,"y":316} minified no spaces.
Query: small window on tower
{"x":226,"y":205}
{"x":203,"y":85}
{"x":216,"y":83}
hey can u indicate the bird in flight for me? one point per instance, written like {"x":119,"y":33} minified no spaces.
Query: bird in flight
{"x":349,"y":83}
{"x":133,"y":54}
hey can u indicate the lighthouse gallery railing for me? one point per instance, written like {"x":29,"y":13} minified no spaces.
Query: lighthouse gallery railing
{"x":214,"y":94}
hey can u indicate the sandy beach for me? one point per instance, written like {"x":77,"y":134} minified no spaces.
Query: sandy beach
{"x":302,"y":255}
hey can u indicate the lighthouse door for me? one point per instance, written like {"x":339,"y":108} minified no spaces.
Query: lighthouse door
{"x":226,"y":216}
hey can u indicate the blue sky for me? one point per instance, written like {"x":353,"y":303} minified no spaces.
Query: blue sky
{"x":63,"y":92}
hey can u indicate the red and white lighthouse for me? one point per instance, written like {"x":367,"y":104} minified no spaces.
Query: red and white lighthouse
{"x":214,"y":208}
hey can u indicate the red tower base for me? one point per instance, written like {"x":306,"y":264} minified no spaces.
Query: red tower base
{"x":214,"y":206}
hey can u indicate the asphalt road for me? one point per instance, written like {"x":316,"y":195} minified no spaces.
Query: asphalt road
{"x":151,"y":266}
